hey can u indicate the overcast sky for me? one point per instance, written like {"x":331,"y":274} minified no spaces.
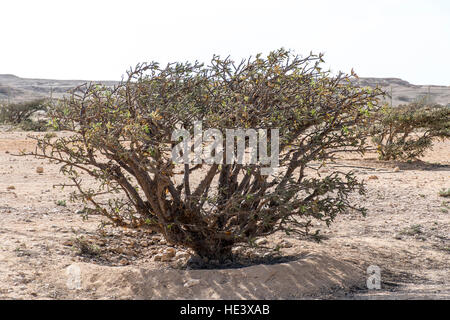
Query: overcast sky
{"x":100,"y":40}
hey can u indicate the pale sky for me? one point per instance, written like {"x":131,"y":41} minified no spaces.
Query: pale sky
{"x":100,"y":40}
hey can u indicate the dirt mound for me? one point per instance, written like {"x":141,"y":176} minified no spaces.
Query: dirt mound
{"x":312,"y":275}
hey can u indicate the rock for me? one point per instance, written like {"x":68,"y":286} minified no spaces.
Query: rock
{"x":373,"y":178}
{"x":101,"y":243}
{"x":68,"y":243}
{"x":157,"y":257}
{"x":191,"y":283}
{"x":182,"y":255}
{"x":73,"y":273}
{"x":284,"y":244}
{"x":165,"y":258}
{"x":11,"y":188}
{"x":396,"y":169}
{"x":238,"y":250}
{"x":40,"y":170}
{"x":170,"y":252}
{"x":261,"y":241}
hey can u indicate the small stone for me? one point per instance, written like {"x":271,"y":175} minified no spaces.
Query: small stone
{"x":373,"y":178}
{"x":101,"y":243}
{"x":68,"y":243}
{"x":170,"y":252}
{"x":11,"y":188}
{"x":165,"y":257}
{"x":237,"y":250}
{"x":157,"y":257}
{"x":396,"y":169}
{"x":261,"y":241}
{"x":182,"y":255}
{"x":40,"y":170}
{"x":191,"y":283}
{"x":285,"y":244}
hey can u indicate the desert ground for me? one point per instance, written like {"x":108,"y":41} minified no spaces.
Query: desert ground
{"x":44,"y":237}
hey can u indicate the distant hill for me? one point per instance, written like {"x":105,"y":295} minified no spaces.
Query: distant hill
{"x":14,"y":88}
{"x":403,"y":92}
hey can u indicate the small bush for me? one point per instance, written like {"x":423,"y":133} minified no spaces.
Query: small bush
{"x":17,"y":113}
{"x":123,"y":138}
{"x":407,"y":131}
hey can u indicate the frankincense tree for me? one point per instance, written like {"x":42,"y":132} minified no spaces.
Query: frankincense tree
{"x":407,"y":131}
{"x":122,"y":137}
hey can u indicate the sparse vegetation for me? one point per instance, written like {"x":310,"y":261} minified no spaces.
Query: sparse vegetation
{"x":407,"y":131}
{"x":122,"y":138}
{"x":20,"y":114}
{"x":444,"y":193}
{"x":85,"y":248}
{"x":412,"y":230}
{"x":61,"y":203}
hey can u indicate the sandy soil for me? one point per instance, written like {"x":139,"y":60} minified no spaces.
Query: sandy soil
{"x":406,"y":233}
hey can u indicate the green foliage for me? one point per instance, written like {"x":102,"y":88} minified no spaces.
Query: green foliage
{"x":61,"y":203}
{"x":122,"y":138}
{"x":407,"y":131}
